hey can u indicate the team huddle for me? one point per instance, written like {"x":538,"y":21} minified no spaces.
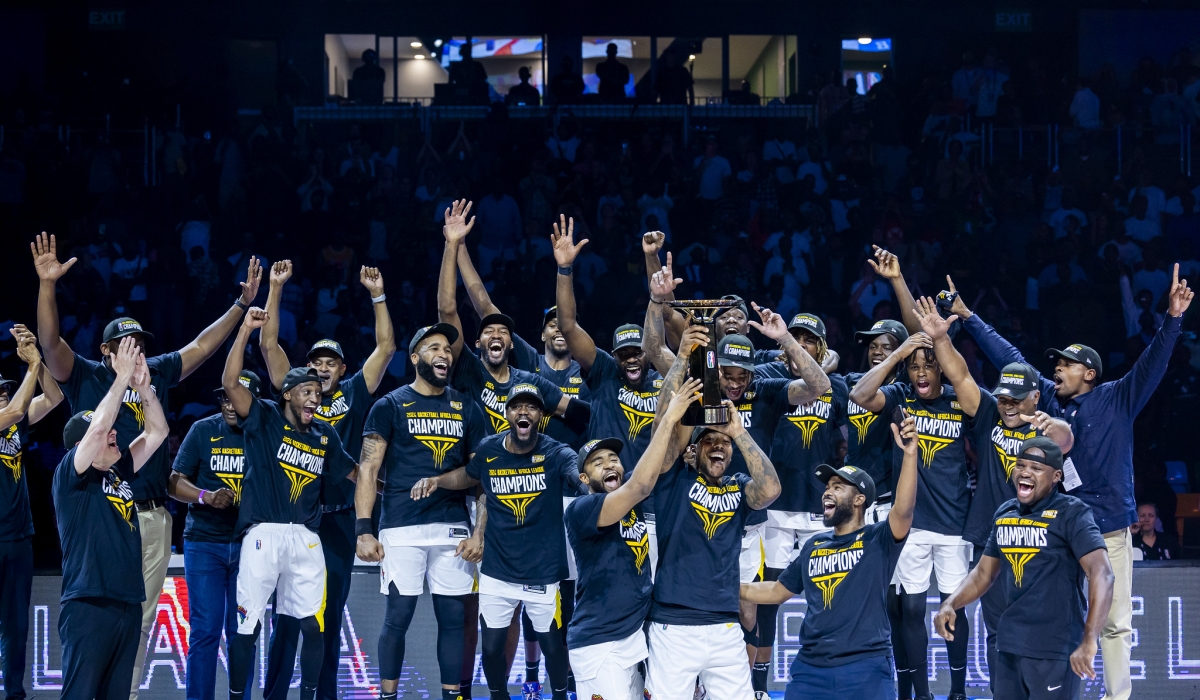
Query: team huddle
{"x":564,"y":491}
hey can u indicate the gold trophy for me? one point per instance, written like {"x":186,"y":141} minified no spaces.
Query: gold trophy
{"x":702,"y":363}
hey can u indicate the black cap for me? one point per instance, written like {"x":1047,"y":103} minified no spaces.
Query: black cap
{"x":297,"y":376}
{"x":627,"y":336}
{"x":888,"y":327}
{"x":76,"y":428}
{"x":861,"y":480}
{"x":445,"y":329}
{"x":550,"y":313}
{"x":810,"y":323}
{"x":523,"y":389}
{"x":591,"y":446}
{"x":502,"y":319}
{"x":736,"y":351}
{"x":1079,"y":353}
{"x":327,"y":345}
{"x":1054,"y":455}
{"x":1017,"y":380}
{"x":121,"y":327}
{"x":249,"y":380}
{"x":8,"y":385}
{"x":741,"y":304}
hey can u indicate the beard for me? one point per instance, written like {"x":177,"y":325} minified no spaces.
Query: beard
{"x":425,"y":371}
{"x":523,"y":444}
{"x":842,"y":513}
{"x":556,"y":353}
{"x":487,"y":358}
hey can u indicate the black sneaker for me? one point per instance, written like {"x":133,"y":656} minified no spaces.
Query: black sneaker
{"x":956,"y":696}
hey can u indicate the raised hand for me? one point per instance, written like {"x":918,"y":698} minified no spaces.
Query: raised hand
{"x":931,"y":321}
{"x":653,"y":241}
{"x":45,"y":258}
{"x":773,"y":326}
{"x":916,"y":340}
{"x":255,"y":318}
{"x":694,"y":337}
{"x":26,"y":344}
{"x":124,"y":362}
{"x":1181,"y":295}
{"x":664,"y":282}
{"x":734,"y":427}
{"x":457,"y":225}
{"x":140,"y":380}
{"x":959,"y":307}
{"x":563,"y":238}
{"x":905,"y":434}
{"x":886,"y":264}
{"x":372,"y":280}
{"x":687,"y":395}
{"x":253,"y":279}
{"x":281,"y":272}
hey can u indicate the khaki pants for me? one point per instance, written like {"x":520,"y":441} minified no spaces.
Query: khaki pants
{"x":1117,"y":638}
{"x":156,"y":555}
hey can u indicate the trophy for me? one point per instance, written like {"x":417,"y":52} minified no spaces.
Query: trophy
{"x":703,"y":361}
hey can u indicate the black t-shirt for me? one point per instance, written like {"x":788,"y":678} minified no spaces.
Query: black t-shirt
{"x":761,"y":405}
{"x":345,"y":410}
{"x":98,"y":528}
{"x":473,"y":379}
{"x":808,"y":435}
{"x":699,"y":529}
{"x":1162,"y":549}
{"x":213,"y":457}
{"x":869,"y":440}
{"x":612,"y":591}
{"x":282,"y":462}
{"x":426,"y":436}
{"x":524,"y":541}
{"x":569,"y":381}
{"x":844,"y":580}
{"x":622,"y":411}
{"x":1039,"y":549}
{"x":86,"y":387}
{"x":996,"y":450}
{"x":943,"y":494}
{"x":16,"y":521}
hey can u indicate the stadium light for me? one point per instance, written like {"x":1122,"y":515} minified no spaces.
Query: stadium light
{"x":864,"y":40}
{"x":415,"y":44}
{"x":420,"y":57}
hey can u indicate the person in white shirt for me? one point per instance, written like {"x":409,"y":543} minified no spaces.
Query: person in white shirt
{"x":780,"y":153}
{"x":1139,"y":226}
{"x":656,"y":202}
{"x":1128,"y":253}
{"x":1156,"y":199}
{"x":714,"y":170}
{"x":1067,"y":208}
{"x":1085,"y":107}
{"x":991,"y":82}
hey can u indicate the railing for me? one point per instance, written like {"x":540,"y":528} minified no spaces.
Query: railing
{"x":1163,"y":149}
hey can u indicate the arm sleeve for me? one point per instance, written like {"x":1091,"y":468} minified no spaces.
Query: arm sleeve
{"x":380,"y":420}
{"x":893,"y":395}
{"x":551,"y":394}
{"x":474,"y":429}
{"x":1135,"y":388}
{"x":792,"y":578}
{"x":569,"y":472}
{"x":1000,"y":352}
{"x":73,"y":387}
{"x":474,"y":467}
{"x":524,"y":355}
{"x":169,"y":367}
{"x":583,"y":514}
{"x":254,"y":419}
{"x":187,"y":460}
{"x":1083,"y":534}
{"x":841,"y":399}
{"x":985,"y":418}
{"x":992,"y":549}
{"x":604,"y":368}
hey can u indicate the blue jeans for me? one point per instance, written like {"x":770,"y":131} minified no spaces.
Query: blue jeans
{"x":210,"y":569}
{"x":865,"y":679}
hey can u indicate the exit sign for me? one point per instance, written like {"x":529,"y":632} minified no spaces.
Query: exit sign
{"x":1014,"y":20}
{"x":106,"y":20}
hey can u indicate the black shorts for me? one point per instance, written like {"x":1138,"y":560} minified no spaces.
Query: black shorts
{"x":1024,"y":678}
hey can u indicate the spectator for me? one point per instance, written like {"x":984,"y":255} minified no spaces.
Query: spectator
{"x":467,"y":72}
{"x":203,"y":277}
{"x":314,"y":183}
{"x":713,"y":170}
{"x":1085,"y":106}
{"x":500,"y":226}
{"x":674,"y":83}
{"x":953,"y":173}
{"x":523,"y":93}
{"x":965,"y":82}
{"x":868,"y":292}
{"x":656,"y":203}
{"x":1149,"y":535}
{"x":1139,"y":226}
{"x":613,"y":76}
{"x":779,"y":153}
{"x":1150,"y":276}
{"x":567,"y":86}
{"x":991,"y":81}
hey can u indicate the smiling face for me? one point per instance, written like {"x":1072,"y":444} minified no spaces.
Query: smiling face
{"x":603,"y":472}
{"x":433,"y":359}
{"x":713,"y":452}
{"x":111,"y":453}
{"x":880,"y":348}
{"x":1071,"y":378}
{"x":496,"y":341}
{"x":1034,"y":480}
{"x":632,"y":362}
{"x":925,"y":374}
{"x":731,"y":322}
{"x":734,"y":381}
{"x":523,"y":414}
{"x":809,"y":341}
{"x":303,"y":400}
{"x":331,"y":368}
{"x":1011,"y":409}
{"x":556,"y":342}
{"x":840,"y":500}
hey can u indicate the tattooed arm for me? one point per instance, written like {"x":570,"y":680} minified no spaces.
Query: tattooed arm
{"x":813,"y":381}
{"x":764,"y":486}
{"x":694,"y":337}
{"x":654,"y":343}
{"x":471,"y":549}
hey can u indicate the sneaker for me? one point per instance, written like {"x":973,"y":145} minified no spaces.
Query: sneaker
{"x":531,"y":691}
{"x":761,"y":695}
{"x":956,"y":696}
{"x":701,"y":693}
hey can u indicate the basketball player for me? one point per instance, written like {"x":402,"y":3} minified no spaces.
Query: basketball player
{"x":417,"y":431}
{"x":844,"y":574}
{"x":292,"y":461}
{"x":84,"y":382}
{"x":1043,"y":543}
{"x":102,"y":589}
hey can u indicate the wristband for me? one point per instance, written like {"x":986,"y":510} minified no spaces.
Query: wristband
{"x":378,"y":299}
{"x":564,"y":271}
{"x":241,"y":305}
{"x":200,"y":498}
{"x":363,"y":526}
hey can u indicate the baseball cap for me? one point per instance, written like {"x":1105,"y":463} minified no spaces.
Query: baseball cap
{"x":627,"y":336}
{"x":1017,"y":379}
{"x":810,"y":323}
{"x":550,"y":313}
{"x":249,"y":380}
{"x":890,"y":327}
{"x":736,"y":351}
{"x":591,"y":446}
{"x":492,"y":319}
{"x":861,"y":480}
{"x":1054,"y":455}
{"x":121,"y":327}
{"x":445,"y":329}
{"x":297,"y":376}
{"x":326,"y":345}
{"x":8,"y":385}
{"x":741,"y":304}
{"x":75,"y":428}
{"x":1079,"y":353}
{"x":530,"y":390}
{"x":699,"y":431}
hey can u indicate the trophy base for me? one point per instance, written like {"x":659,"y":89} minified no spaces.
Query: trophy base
{"x":716,"y":415}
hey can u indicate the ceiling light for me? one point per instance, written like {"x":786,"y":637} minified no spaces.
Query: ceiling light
{"x":691,"y":57}
{"x":420,"y":57}
{"x":864,"y":40}
{"x":437,"y":42}
{"x":415,"y":44}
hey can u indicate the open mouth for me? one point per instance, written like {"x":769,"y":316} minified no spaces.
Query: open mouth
{"x":923,"y":387}
{"x":633,"y":373}
{"x":495,"y":348}
{"x":717,"y":459}
{"x":307,"y":413}
{"x":877,"y":359}
{"x":1024,"y":488}
{"x":612,"y":480}
{"x":524,"y":424}
{"x":828,"y":506}
{"x":440,"y":367}
{"x":735,"y":393}
{"x":1058,"y":380}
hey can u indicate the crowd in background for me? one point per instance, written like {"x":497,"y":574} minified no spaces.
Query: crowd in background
{"x":781,"y":212}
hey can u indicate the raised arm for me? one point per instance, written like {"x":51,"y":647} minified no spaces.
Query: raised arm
{"x":210,"y":339}
{"x":887,"y":266}
{"x":1056,"y":429}
{"x":59,"y":356}
{"x":694,"y":337}
{"x":96,"y":437}
{"x":275,"y":357}
{"x":1135,"y":388}
{"x":51,"y":396}
{"x":373,"y":448}
{"x":1100,"y":578}
{"x":763,"y":488}
{"x":970,"y":590}
{"x":867,"y":392}
{"x":20,"y":400}
{"x":239,"y":395}
{"x":480,"y":299}
{"x":385,"y":337}
{"x":905,"y":500}
{"x":155,"y":429}
{"x":456,"y":228}
{"x":813,"y":381}
{"x":954,"y":367}
{"x":652,"y":242}
{"x":581,"y":345}
{"x":654,"y":341}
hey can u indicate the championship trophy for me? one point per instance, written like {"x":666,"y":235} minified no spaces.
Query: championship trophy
{"x":702,"y":363}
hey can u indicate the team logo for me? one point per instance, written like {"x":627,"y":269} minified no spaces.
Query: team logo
{"x":301,"y":463}
{"x":634,"y":532}
{"x":10,"y":451}
{"x":639,"y":408}
{"x":335,"y":410}
{"x":714,"y":505}
{"x":1049,"y":514}
{"x":120,"y":495}
{"x":575,"y":380}
{"x":517,"y":488}
{"x":1007,"y":443}
{"x":934,"y":430}
{"x":133,"y":401}
{"x":811,"y":416}
{"x":440,"y":431}
{"x":229,"y":465}
{"x":456,"y":405}
{"x":242,"y":614}
{"x":827,"y":568}
{"x":861,"y":419}
{"x":1006,"y":461}
{"x":1020,"y":540}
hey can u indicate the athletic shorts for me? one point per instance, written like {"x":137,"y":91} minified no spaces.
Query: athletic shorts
{"x":416,"y":553}
{"x":1025,"y":678}
{"x":786,"y":533}
{"x":877,"y":513}
{"x":610,"y":669}
{"x":925,"y":552}
{"x":715,"y":654}
{"x":498,"y":599}
{"x":285,"y":559}
{"x":751,"y":558}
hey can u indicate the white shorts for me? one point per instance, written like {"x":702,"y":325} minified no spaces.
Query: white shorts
{"x":285,"y":559}
{"x":751,"y":558}
{"x":786,"y":533}
{"x":877,"y":513}
{"x":714,"y":654}
{"x":926,"y":552}
{"x":610,"y":670}
{"x":499,"y":599}
{"x":416,"y":553}
{"x":652,"y":535}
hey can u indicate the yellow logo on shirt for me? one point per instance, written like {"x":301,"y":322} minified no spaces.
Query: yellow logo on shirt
{"x":120,"y":495}
{"x":1020,"y":540}
{"x":517,"y":488}
{"x":301,"y":463}
{"x":634,"y":532}
{"x":827,"y":568}
{"x":333,"y":412}
{"x":812,"y":415}
{"x":714,"y":505}
{"x":11,"y":451}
